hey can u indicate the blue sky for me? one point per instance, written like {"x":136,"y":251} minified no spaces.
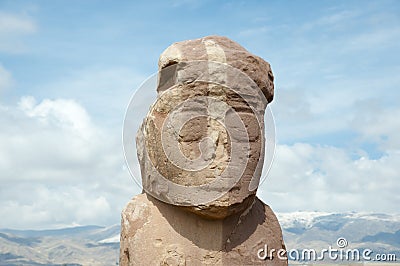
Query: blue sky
{"x":68,"y":69}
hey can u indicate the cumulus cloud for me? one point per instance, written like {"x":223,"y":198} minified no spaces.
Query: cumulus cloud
{"x":58,"y":168}
{"x":104,"y":91}
{"x":326,"y":178}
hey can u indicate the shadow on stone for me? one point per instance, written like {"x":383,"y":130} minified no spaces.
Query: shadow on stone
{"x":231,"y":231}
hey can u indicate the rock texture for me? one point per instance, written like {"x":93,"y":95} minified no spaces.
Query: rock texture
{"x":223,"y":50}
{"x":206,"y":73}
{"x":201,"y":152}
{"x":156,"y":233}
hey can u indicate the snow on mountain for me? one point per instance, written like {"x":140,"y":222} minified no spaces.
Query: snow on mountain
{"x":293,"y":219}
{"x":114,"y":239}
{"x":308,"y":219}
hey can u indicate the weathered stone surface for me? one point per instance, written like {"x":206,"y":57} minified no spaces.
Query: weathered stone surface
{"x":246,"y":87}
{"x":156,"y":233}
{"x":223,"y":50}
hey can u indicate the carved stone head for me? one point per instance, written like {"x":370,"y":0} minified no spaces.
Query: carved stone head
{"x":201,"y":146}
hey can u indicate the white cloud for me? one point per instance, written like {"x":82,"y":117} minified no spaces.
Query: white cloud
{"x":105,"y":92}
{"x":325,"y":178}
{"x":350,"y":30}
{"x":58,"y":168}
{"x":65,"y":113}
{"x":40,"y":206}
{"x":13,"y":27}
{"x":380,"y":38}
{"x":254,"y":31}
{"x":16,"y":24}
{"x":342,"y":105}
{"x":336,"y":20}
{"x":6,"y":80}
{"x":378,"y":123}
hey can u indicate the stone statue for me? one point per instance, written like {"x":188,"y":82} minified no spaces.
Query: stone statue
{"x":201,"y":150}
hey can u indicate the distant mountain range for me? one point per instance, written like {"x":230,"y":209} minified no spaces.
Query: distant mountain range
{"x":84,"y":245}
{"x":96,"y":245}
{"x":315,"y":230}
